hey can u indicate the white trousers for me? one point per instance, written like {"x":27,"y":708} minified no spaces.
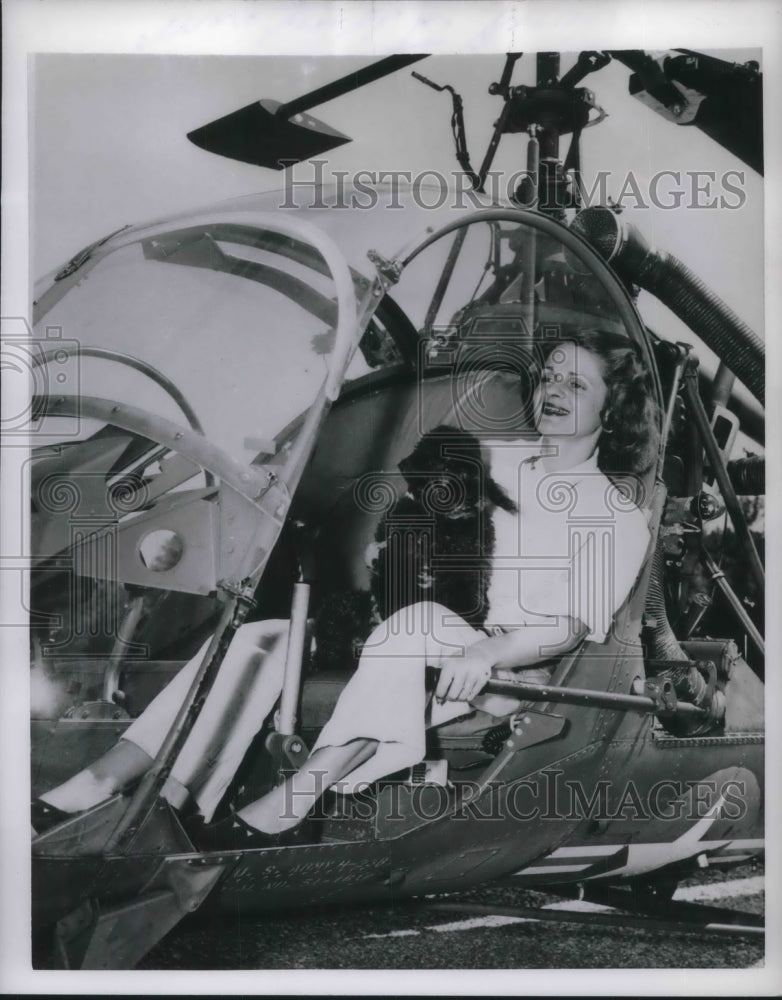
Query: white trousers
{"x":243,"y":694}
{"x":386,"y":699}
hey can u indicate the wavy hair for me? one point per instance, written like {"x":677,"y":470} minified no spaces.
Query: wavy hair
{"x":630,"y":439}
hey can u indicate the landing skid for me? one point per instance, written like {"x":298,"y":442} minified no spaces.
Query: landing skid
{"x":642,"y":912}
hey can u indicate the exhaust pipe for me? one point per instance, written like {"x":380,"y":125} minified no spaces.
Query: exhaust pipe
{"x":622,"y":245}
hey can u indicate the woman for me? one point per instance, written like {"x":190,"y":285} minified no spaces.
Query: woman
{"x":595,"y":413}
{"x":594,"y":410}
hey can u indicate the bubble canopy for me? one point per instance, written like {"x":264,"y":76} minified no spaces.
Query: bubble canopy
{"x":507,"y":275}
{"x":225,"y":324}
{"x":230,"y":321}
{"x":204,"y":352}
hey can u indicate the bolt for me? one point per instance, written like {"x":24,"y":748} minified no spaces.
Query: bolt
{"x":677,"y":109}
{"x":296,"y":747}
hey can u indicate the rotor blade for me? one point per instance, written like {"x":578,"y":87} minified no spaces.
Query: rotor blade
{"x":345,"y":84}
{"x":269,"y":134}
{"x":257,"y":134}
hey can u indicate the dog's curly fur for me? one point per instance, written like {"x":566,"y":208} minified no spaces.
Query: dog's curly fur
{"x":434,"y":544}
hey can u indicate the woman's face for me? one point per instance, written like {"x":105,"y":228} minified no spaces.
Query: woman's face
{"x":571,"y":394}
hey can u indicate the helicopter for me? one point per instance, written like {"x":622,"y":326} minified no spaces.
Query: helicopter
{"x":152,"y":530}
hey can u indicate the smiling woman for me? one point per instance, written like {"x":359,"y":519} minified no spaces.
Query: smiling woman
{"x":595,"y":387}
{"x":571,"y":395}
{"x":549,"y":587}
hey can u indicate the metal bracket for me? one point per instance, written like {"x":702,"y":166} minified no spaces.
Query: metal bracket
{"x":101,"y":709}
{"x":530,"y":728}
{"x":661,"y":691}
{"x":390,"y":271}
{"x":286,"y":751}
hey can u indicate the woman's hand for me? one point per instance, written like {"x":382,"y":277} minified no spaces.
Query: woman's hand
{"x":462,"y":678}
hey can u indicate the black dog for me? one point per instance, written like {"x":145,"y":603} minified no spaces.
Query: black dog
{"x":437,"y":541}
{"x":434,"y":544}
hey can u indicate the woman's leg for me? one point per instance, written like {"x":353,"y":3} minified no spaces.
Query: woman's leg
{"x":379,"y":723}
{"x":244,"y":692}
{"x":123,"y":763}
{"x":287,"y":804}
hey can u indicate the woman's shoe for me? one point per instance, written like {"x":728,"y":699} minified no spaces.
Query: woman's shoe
{"x":45,"y":817}
{"x":234,"y":834}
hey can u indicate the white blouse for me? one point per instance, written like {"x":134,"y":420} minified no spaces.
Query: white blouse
{"x":575,"y":548}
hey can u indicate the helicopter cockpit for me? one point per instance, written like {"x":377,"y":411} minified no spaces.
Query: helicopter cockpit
{"x":189,"y":369}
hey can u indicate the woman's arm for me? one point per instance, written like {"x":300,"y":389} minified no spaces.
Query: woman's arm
{"x":463,"y":678}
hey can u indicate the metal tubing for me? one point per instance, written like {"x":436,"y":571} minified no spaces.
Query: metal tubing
{"x":720,"y":579}
{"x":722,"y":385}
{"x":529,"y":249}
{"x":445,"y":278}
{"x":154,"y":779}
{"x":690,"y":386}
{"x":140,"y":366}
{"x":669,"y":410}
{"x":293,"y":659}
{"x":586,"y":697}
{"x":124,"y":636}
{"x":499,"y":126}
{"x":249,"y":480}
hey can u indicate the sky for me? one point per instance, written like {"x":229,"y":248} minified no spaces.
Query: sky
{"x":109,"y":147}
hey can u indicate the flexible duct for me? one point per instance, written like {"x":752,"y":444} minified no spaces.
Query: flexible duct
{"x":663,"y":645}
{"x":748,"y":475}
{"x":662,"y":274}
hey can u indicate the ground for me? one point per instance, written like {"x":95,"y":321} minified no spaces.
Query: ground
{"x":416,"y":936}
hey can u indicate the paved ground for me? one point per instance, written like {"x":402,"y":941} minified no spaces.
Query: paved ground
{"x":416,"y":936}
